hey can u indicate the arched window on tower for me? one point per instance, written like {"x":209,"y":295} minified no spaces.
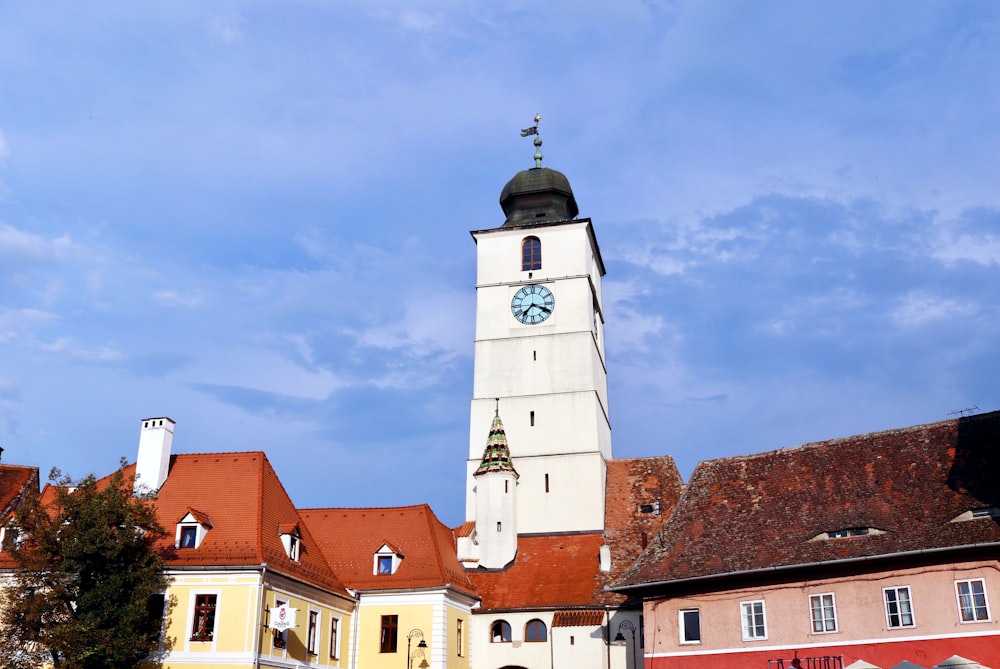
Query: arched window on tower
{"x":535,"y":631}
{"x":531,"y":254}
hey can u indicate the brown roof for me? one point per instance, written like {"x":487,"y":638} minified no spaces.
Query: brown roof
{"x":243,"y":497}
{"x":641,"y":494}
{"x":350,"y":537}
{"x":763,"y":511}
{"x":15,"y":481}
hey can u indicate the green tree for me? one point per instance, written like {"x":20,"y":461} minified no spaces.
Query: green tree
{"x":87,"y":591}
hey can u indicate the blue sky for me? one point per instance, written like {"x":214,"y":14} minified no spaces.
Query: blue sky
{"x":235,"y":213}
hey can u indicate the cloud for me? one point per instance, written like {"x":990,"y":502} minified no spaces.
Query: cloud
{"x":18,"y":246}
{"x":227,"y":29}
{"x":19,"y":325}
{"x":918,"y":309}
{"x":4,"y":149}
{"x":189,"y":299}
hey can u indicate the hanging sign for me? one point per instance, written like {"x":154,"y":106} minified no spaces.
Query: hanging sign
{"x":282,"y":617}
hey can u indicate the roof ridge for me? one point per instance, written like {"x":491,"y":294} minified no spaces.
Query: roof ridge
{"x":259,"y":534}
{"x":836,"y":441}
{"x":431,"y":519}
{"x":363,"y":508}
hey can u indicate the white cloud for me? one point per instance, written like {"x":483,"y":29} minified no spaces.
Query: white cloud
{"x":227,"y":29}
{"x":20,"y":324}
{"x":265,"y":371}
{"x":188,"y":299}
{"x":19,"y":245}
{"x":70,"y":348}
{"x":984,"y":250}
{"x":4,"y":149}
{"x":918,"y":309}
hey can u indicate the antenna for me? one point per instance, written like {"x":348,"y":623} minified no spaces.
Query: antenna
{"x":964,"y":412}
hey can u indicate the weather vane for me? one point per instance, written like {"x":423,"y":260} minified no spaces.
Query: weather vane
{"x":533,"y":130}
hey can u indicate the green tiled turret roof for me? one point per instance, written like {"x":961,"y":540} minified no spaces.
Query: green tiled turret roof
{"x":496,"y":457}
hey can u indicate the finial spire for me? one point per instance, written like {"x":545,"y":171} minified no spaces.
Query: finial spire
{"x":496,"y":414}
{"x":533,"y":130}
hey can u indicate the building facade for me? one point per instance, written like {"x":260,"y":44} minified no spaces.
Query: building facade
{"x":879,"y":548}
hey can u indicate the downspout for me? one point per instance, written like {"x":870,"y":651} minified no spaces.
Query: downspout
{"x":260,"y":617}
{"x":355,"y":628}
{"x":607,"y":638}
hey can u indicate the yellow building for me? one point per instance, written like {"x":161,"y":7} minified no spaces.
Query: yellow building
{"x":237,"y":550}
{"x":414,"y":598}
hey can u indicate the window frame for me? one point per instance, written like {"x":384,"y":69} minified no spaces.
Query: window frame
{"x":531,"y":629}
{"x":334,"y":637}
{"x":207,"y":603}
{"x":750,"y":630}
{"x":312,"y":633}
{"x":682,"y":626}
{"x":896,"y":589}
{"x":389,"y":634}
{"x":531,"y":254}
{"x":824,"y":620}
{"x":458,"y":635}
{"x":973,"y":606}
{"x":504,"y":628}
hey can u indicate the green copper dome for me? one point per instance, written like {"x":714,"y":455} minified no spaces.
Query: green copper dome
{"x":538,"y":195}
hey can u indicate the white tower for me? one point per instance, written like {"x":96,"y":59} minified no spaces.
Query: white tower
{"x":540,"y":349}
{"x":496,"y":492}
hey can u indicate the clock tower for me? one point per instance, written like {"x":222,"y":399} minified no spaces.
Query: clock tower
{"x":539,"y":358}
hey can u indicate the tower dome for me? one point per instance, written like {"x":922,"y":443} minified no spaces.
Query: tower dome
{"x":538,"y":195}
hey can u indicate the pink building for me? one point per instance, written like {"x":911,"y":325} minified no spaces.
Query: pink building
{"x":881,"y":547}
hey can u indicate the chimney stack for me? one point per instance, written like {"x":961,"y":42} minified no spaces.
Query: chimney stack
{"x":155,"y":439}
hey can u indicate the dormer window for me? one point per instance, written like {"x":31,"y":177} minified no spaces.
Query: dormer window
{"x":387,"y":560}
{"x":846,"y":532}
{"x":290,"y":539}
{"x":976,"y":514}
{"x":192,"y":529}
{"x":10,"y":537}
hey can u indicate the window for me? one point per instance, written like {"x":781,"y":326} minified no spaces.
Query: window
{"x":204,"y":618}
{"x":386,"y":560}
{"x":972,"y":605}
{"x":898,"y":607}
{"x":334,"y":628}
{"x":535,"y":630}
{"x":823,"y":613}
{"x":531,"y":254}
{"x":753,"y":620}
{"x":189,"y":536}
{"x":384,"y":564}
{"x":312,"y":641}
{"x":690,"y":625}
{"x":500,"y":632}
{"x":387,"y":640}
{"x":10,"y":538}
{"x":458,"y":637}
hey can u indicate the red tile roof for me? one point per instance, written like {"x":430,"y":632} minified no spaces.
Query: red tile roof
{"x":350,"y":537}
{"x":243,"y":498}
{"x":563,"y":570}
{"x":578,"y":618}
{"x":761,"y":511}
{"x":550,"y":571}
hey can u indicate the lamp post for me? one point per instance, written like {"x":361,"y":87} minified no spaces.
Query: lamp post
{"x":414,"y":634}
{"x":627,"y":625}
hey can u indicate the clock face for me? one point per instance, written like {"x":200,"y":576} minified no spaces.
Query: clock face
{"x":532,"y":304}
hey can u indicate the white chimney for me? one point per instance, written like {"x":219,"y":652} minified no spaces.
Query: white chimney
{"x":155,"y":438}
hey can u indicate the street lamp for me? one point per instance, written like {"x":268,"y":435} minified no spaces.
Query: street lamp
{"x":414,"y":634}
{"x":627,"y":625}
